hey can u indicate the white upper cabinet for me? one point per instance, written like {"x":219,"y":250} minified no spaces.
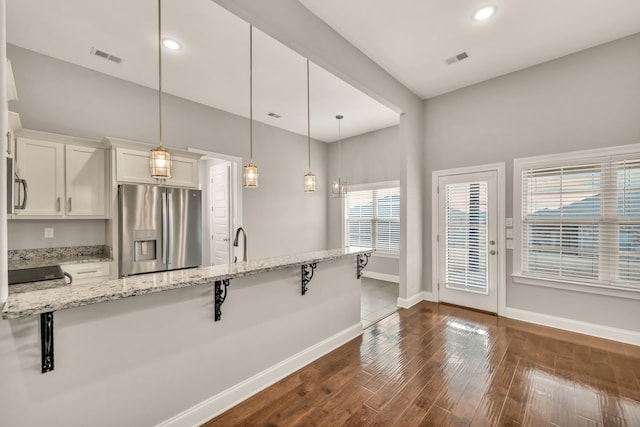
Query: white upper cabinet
{"x":133,"y":164}
{"x":85,"y":180}
{"x":41,"y":165}
{"x":65,"y":177}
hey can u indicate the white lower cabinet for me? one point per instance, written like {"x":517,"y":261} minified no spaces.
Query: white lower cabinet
{"x":91,"y":272}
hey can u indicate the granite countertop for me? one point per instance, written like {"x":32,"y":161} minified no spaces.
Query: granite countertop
{"x":30,"y":258}
{"x":24,"y":304}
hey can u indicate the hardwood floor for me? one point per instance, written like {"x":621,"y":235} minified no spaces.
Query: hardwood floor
{"x":440,"y":365}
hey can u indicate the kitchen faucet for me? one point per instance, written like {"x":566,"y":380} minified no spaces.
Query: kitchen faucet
{"x":244,"y":243}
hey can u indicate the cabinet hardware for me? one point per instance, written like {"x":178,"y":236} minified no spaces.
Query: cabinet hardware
{"x":87,"y":272}
{"x":58,"y":204}
{"x":69,"y":204}
{"x":9,"y":143}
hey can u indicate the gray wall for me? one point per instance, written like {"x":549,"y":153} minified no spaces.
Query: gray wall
{"x":140,"y":361}
{"x":60,"y":97}
{"x":289,"y":22}
{"x":368,"y":158}
{"x":590,"y":99}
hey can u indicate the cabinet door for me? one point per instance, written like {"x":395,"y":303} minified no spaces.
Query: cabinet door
{"x":85,"y":181}
{"x":133,"y":166}
{"x":41,"y":164}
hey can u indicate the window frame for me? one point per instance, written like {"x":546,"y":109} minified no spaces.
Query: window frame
{"x":558,"y":160}
{"x":367,"y":187}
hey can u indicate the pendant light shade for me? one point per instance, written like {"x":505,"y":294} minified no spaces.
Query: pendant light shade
{"x":251,"y":175}
{"x":339,"y":186}
{"x":250,"y":170}
{"x":309,"y":182}
{"x":309,"y":178}
{"x":160,"y":158}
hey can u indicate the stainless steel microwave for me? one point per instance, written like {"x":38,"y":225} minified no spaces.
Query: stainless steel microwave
{"x":17,"y":189}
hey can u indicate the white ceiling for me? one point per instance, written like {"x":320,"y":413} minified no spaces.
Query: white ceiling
{"x":412,"y":38}
{"x":212,"y":68}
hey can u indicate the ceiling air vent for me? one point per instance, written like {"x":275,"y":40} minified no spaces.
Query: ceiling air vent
{"x":459,"y":57}
{"x":274,"y":115}
{"x":105,"y":55}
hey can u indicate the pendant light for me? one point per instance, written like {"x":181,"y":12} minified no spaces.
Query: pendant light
{"x":250,"y":170}
{"x":339,"y":187}
{"x":309,"y":178}
{"x":160,"y":158}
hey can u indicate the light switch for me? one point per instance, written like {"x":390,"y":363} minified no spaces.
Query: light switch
{"x":509,"y":233}
{"x":48,"y":232}
{"x":509,"y":222}
{"x":509,"y":244}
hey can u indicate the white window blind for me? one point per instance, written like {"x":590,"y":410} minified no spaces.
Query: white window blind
{"x":373,"y":219}
{"x":466,"y":236}
{"x":581,"y":221}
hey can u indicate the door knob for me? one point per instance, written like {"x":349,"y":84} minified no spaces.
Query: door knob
{"x":492,"y":242}
{"x":492,"y":252}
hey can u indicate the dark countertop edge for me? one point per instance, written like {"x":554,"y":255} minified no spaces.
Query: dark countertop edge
{"x":179,"y":285}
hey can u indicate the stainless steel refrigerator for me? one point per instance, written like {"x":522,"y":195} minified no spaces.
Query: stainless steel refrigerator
{"x":160,"y":228}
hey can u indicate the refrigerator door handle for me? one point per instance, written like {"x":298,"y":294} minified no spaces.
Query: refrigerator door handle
{"x":165,"y":236}
{"x":170,"y":223}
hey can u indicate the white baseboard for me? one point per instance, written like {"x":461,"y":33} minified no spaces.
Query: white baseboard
{"x":215,"y":405}
{"x":601,"y":331}
{"x":381,"y":276}
{"x":420,"y":296}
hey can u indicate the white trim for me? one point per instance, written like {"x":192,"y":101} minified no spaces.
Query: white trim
{"x":374,"y":186}
{"x":235,"y":182}
{"x":606,"y":332}
{"x":576,"y":155}
{"x":378,"y":254}
{"x":215,"y":405}
{"x":381,"y":276}
{"x":500,"y":169}
{"x":578,"y":287}
{"x":420,"y":296}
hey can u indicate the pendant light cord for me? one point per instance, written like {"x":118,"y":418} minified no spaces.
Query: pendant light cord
{"x":160,"y":68}
{"x":308,"y":119}
{"x":339,"y":147}
{"x":251,"y":93}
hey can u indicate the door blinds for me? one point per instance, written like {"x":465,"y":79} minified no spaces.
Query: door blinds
{"x":466,"y":236}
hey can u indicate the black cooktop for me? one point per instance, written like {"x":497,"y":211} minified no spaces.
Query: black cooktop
{"x":36,"y":274}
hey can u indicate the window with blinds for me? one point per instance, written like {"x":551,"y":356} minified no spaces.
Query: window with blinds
{"x":581,"y":221}
{"x":372,"y":219}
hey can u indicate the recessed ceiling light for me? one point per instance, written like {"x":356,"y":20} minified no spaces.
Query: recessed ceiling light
{"x":484,"y":13}
{"x":171,"y":44}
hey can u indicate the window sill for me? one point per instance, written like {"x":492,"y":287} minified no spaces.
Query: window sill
{"x":588,"y":288}
{"x":378,"y":254}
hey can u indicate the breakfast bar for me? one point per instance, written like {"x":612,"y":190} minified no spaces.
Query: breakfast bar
{"x":167,"y":339}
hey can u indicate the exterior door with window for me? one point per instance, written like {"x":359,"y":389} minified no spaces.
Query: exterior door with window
{"x":468,"y":240}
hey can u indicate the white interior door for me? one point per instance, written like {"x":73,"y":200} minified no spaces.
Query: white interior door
{"x":221,"y":213}
{"x":468,"y":240}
